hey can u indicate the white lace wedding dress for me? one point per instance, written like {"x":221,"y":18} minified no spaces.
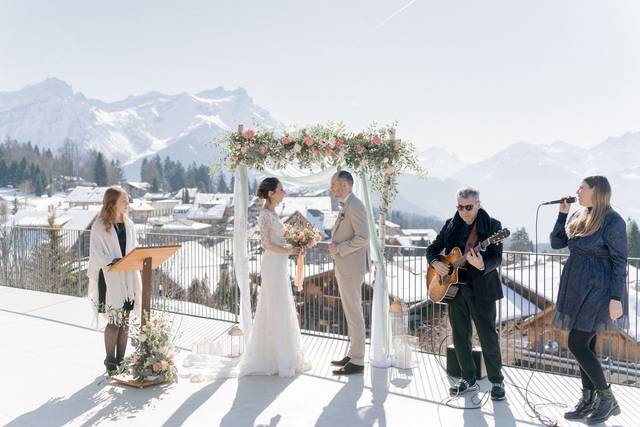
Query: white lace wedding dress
{"x":275,"y":343}
{"x":274,"y":346}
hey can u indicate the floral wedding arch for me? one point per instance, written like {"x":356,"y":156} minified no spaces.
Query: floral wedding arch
{"x":314,"y":154}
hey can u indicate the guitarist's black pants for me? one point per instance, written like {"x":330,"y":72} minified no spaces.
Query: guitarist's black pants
{"x":462,"y":309}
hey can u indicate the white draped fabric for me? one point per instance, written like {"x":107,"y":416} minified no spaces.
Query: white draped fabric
{"x":294,"y":175}
{"x":315,"y":179}
{"x":240,"y":255}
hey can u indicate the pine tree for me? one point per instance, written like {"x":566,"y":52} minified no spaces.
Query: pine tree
{"x":40,"y":183}
{"x":633,"y":239}
{"x":222,"y":185}
{"x":14,"y":210}
{"x":185,"y":196}
{"x":100,"y":171}
{"x":520,"y":241}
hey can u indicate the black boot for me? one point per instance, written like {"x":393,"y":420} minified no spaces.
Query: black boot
{"x":584,"y":407}
{"x":111,"y":366}
{"x":605,"y":407}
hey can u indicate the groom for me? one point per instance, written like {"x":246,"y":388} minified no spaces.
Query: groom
{"x":350,"y":251}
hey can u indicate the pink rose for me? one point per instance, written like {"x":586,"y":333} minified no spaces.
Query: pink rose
{"x":397,"y":146}
{"x":287,"y":140}
{"x":263,"y":150}
{"x":360,"y":135}
{"x":328,"y":151}
{"x":377,"y":140}
{"x":339,"y":143}
{"x":157,"y":367}
{"x":249,"y":133}
{"x":315,"y":149}
{"x":359,"y":149}
{"x":244,"y":150}
{"x":308,"y":140}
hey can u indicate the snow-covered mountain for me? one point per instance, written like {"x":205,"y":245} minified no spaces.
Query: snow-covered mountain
{"x":180,"y":126}
{"x":439,"y":162}
{"x":515,"y":180}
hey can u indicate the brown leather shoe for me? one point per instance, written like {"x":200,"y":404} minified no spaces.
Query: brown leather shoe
{"x":349,"y":369}
{"x":341,"y":362}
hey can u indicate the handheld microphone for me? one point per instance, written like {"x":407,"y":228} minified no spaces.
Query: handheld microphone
{"x":555,"y":202}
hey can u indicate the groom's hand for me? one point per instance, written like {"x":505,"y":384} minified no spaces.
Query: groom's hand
{"x":333,"y":248}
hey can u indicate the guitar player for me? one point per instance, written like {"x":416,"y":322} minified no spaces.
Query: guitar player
{"x":476,"y":298}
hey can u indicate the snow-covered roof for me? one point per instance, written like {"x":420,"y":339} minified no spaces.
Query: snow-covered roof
{"x":139,"y":185}
{"x":214,"y":213}
{"x":427,"y":233}
{"x":167,"y":224}
{"x":292,"y":204}
{"x":140,"y":205}
{"x":91,"y":195}
{"x":78,"y":219}
{"x":214,"y":199}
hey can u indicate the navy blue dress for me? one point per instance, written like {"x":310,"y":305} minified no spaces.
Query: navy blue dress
{"x":595,"y":273}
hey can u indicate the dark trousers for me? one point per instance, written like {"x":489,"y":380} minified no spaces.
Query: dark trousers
{"x":583,"y":347}
{"x":462,"y":309}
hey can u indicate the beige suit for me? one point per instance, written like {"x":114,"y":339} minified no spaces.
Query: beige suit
{"x":351,"y":236}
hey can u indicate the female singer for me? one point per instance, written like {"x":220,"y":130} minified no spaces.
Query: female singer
{"x":593,"y":294}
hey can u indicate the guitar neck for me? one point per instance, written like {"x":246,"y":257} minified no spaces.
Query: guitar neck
{"x":479,"y":247}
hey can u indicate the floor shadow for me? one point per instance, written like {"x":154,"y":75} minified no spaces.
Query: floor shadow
{"x":192,"y":403}
{"x":122,"y":403}
{"x":253,"y":396}
{"x":343,"y":408}
{"x":374,"y":414}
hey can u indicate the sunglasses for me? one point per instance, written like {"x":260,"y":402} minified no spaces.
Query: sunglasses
{"x":463,"y":207}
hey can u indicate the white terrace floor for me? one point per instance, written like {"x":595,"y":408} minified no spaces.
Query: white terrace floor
{"x":52,"y":374}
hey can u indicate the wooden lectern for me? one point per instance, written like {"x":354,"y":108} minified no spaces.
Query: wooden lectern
{"x":145,"y":258}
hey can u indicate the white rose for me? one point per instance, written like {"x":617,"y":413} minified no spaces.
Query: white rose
{"x":297,"y":148}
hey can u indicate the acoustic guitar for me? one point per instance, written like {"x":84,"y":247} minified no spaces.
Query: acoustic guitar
{"x":445,"y":288}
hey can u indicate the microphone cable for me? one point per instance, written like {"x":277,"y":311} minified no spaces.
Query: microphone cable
{"x":547,"y":421}
{"x":477,"y":403}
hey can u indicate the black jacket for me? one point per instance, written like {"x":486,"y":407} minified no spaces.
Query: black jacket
{"x":485,"y":283}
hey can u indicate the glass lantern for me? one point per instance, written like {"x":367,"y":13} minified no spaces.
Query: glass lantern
{"x":398,"y":318}
{"x":235,"y":342}
{"x":402,"y":343}
{"x":402,"y":352}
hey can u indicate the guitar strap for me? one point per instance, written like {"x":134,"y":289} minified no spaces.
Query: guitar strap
{"x":472,"y":239}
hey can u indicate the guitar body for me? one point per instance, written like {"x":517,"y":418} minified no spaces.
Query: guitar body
{"x":444,"y":288}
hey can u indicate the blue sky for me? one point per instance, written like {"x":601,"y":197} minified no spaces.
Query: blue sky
{"x":469,"y":76}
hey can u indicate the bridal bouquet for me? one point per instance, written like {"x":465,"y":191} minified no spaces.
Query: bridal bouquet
{"x":154,"y":356}
{"x":300,"y":233}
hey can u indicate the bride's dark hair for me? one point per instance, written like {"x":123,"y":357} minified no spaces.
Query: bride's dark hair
{"x":267,"y":184}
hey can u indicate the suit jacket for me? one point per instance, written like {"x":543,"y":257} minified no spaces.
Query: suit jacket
{"x":485,"y":283}
{"x":351,"y":236}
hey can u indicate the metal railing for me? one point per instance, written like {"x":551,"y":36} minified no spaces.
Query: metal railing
{"x":199,"y":281}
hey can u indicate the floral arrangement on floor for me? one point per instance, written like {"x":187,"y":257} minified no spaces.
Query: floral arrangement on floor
{"x":153,"y":358}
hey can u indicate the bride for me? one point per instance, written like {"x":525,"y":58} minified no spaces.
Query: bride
{"x":275,"y":343}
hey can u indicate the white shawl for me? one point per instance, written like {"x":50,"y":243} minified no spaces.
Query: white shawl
{"x":104,"y":248}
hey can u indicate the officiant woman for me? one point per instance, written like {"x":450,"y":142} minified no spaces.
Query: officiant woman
{"x":113,"y":295}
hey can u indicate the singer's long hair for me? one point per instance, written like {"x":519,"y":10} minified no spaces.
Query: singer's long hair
{"x":108,"y":211}
{"x":584,"y":222}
